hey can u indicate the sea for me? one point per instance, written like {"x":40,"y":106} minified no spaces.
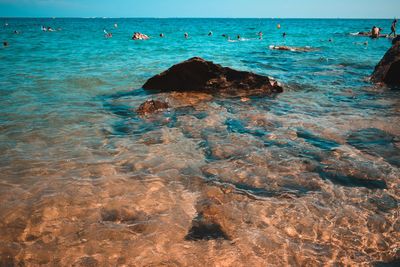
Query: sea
{"x":308,"y":177}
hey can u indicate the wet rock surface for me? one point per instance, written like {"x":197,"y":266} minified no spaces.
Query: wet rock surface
{"x":388,"y":69}
{"x":199,"y":75}
{"x":396,"y":39}
{"x":152,"y":106}
{"x":292,"y":48}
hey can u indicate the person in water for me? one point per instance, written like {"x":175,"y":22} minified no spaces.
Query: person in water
{"x":161,"y":35}
{"x":375,"y":31}
{"x":393,"y":28}
{"x":238,"y":37}
{"x":140,"y":36}
{"x":186,"y":35}
{"x":260,"y":35}
{"x":284,"y":34}
{"x":5,"y":43}
{"x":210,"y":33}
{"x":107,"y":34}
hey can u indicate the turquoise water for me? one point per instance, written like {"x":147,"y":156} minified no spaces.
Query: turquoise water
{"x":312,"y":174}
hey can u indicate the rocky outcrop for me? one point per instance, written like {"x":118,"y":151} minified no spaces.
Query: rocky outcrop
{"x":198,"y":75}
{"x":396,"y":39}
{"x":388,"y":69}
{"x":292,"y":48}
{"x":151,"y":106}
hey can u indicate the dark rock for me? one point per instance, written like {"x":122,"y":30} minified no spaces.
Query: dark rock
{"x":204,"y":229}
{"x":199,"y":75}
{"x":396,"y":39}
{"x":364,"y":34}
{"x":388,"y":69}
{"x":292,"y":48}
{"x":86,"y":262}
{"x":151,"y":106}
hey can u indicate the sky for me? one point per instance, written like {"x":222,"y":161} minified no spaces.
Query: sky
{"x":202,"y":8}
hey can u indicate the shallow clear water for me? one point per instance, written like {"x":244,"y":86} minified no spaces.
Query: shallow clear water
{"x":309,"y":177}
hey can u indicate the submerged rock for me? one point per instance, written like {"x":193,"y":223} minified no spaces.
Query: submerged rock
{"x":151,"y":106}
{"x":199,"y":75}
{"x":388,"y":69}
{"x":292,"y":49}
{"x":368,"y":34}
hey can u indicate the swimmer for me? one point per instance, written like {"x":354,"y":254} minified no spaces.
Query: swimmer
{"x":278,"y":26}
{"x":284,"y":35}
{"x":161,"y":35}
{"x":225,"y":36}
{"x":238,"y":37}
{"x":260,"y":35}
{"x":16,"y":32}
{"x":186,"y":35}
{"x":375,"y":31}
{"x":44,"y":29}
{"x":49,"y":29}
{"x":5,"y":43}
{"x":140,"y":36}
{"x":330,"y":40}
{"x":115,"y":25}
{"x":107,"y":34}
{"x":210,"y":33}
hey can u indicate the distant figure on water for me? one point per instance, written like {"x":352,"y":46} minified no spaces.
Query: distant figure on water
{"x":375,"y":31}
{"x":44,"y":28}
{"x":260,"y":35}
{"x":186,"y":35}
{"x":5,"y":43}
{"x":393,"y":28}
{"x":16,"y":32}
{"x":210,"y":33}
{"x":284,"y":35}
{"x":161,"y":35}
{"x":278,"y":26}
{"x":140,"y":36}
{"x":238,"y":37}
{"x":115,"y":25}
{"x":107,"y":34}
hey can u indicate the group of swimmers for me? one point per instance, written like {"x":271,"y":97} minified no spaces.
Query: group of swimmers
{"x":376,"y":31}
{"x":47,"y":29}
{"x":141,"y":36}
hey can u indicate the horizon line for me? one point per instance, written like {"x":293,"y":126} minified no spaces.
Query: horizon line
{"x":103,"y":17}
